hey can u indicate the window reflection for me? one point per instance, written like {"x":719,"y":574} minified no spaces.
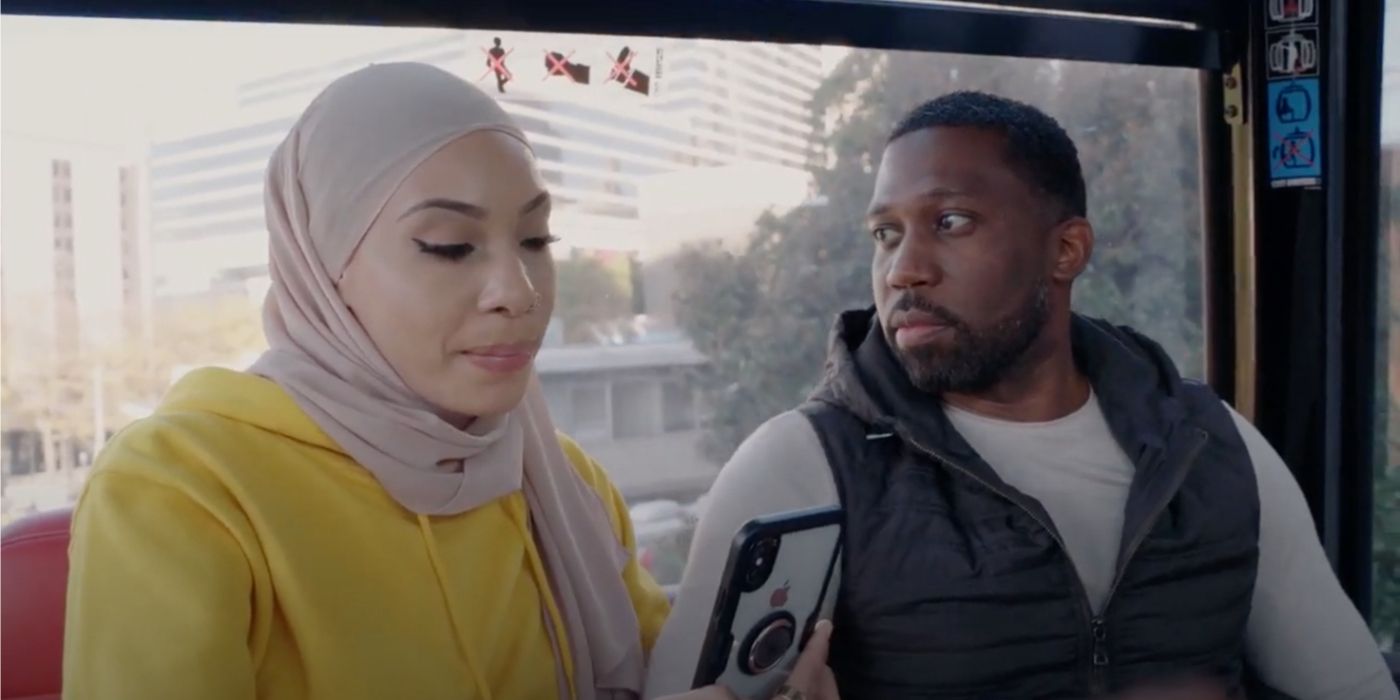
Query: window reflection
{"x":711,"y":223}
{"x":1385,"y":617}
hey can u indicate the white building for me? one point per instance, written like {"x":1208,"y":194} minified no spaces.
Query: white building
{"x":711,"y":105}
{"x":722,"y":135}
{"x":633,"y":410}
{"x":75,"y":268}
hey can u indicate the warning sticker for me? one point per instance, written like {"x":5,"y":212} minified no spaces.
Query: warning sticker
{"x":1284,"y":12}
{"x":1293,"y":53}
{"x":1295,"y":136}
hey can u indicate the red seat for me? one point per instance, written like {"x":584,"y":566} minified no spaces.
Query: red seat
{"x":33,"y":591}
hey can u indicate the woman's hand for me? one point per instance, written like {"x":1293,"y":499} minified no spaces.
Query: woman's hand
{"x":811,"y":678}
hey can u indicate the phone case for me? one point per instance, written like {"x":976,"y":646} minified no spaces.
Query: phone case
{"x":744,"y":647}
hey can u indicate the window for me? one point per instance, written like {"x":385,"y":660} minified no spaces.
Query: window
{"x":710,"y":229}
{"x":251,"y":177}
{"x":588,"y":407}
{"x":222,"y":159}
{"x":1385,"y":610}
{"x":634,"y":409}
{"x":677,"y":407}
{"x":250,"y":202}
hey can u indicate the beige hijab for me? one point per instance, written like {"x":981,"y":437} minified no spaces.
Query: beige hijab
{"x":326,"y":183}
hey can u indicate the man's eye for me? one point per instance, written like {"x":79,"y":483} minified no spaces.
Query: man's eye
{"x":952,"y":222}
{"x":446,"y":251}
{"x":882,"y":234}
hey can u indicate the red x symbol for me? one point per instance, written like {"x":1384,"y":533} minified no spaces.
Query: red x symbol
{"x":1290,"y":148}
{"x":557,"y":66}
{"x":622,"y":69}
{"x":1295,"y":152}
{"x":497,"y":64}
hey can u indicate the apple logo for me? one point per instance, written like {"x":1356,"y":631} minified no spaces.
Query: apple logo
{"x":780,"y":595}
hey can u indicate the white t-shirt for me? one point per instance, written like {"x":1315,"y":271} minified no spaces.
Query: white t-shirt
{"x":1077,"y":471}
{"x":1304,"y":636}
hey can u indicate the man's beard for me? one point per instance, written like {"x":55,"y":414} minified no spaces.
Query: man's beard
{"x":978,"y":358}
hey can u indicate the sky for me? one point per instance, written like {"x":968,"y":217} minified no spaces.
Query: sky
{"x":114,"y":82}
{"x":144,"y":80}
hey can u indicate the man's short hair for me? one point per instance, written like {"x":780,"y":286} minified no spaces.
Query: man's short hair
{"x":1037,"y":147}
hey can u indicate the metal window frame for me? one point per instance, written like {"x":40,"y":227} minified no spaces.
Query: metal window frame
{"x":1316,"y":269}
{"x":1180,"y":33}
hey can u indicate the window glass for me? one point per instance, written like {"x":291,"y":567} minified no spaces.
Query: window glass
{"x":678,"y":407}
{"x":710,"y":209}
{"x":635,"y":409}
{"x":1385,"y":610}
{"x":588,"y":406}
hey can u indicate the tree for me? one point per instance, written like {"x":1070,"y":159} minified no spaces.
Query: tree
{"x":1385,"y":618}
{"x":53,"y":395}
{"x":188,"y":333}
{"x":590,"y":297}
{"x":49,"y":383}
{"x":762,"y":316}
{"x":74,"y":394}
{"x":1385,"y":543}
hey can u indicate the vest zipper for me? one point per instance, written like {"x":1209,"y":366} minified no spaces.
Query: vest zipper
{"x":1098,"y":672}
{"x":1100,"y":630}
{"x":1099,"y":659}
{"x":1178,"y":477}
{"x":1086,"y":611}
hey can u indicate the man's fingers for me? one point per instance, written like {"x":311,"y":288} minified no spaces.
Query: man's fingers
{"x":826,"y":687}
{"x":807,"y":673}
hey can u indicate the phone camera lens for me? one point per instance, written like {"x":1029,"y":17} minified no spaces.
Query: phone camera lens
{"x":760,"y":566}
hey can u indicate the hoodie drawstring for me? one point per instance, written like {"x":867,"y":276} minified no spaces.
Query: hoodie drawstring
{"x":482,"y":689}
{"x":556,"y":619}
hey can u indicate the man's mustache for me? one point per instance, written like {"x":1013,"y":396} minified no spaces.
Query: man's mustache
{"x":911,"y":302}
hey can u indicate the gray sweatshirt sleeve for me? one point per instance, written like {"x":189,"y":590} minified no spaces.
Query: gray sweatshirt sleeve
{"x":1304,"y":638}
{"x":780,"y":467}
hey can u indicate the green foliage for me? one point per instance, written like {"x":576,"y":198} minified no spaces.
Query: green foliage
{"x":762,"y":315}
{"x":1385,"y":542}
{"x":589,"y":297}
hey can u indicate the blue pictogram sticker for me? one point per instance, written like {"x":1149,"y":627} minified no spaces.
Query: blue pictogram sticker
{"x":1295,"y":134}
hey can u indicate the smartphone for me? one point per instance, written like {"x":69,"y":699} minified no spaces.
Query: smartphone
{"x":775,"y":588}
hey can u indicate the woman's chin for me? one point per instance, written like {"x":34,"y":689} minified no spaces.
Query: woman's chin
{"x":458,"y":399}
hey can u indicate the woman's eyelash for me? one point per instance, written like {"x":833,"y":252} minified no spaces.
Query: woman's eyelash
{"x":449,"y":251}
{"x":457,"y":251}
{"x":539,"y":243}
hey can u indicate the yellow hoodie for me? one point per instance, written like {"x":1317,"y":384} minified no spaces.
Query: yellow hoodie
{"x":226,"y":548}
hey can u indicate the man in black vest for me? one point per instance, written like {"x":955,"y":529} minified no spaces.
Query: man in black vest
{"x":1038,"y":505}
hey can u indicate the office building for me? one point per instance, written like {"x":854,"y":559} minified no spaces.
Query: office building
{"x":707,"y":105}
{"x":73,"y":276}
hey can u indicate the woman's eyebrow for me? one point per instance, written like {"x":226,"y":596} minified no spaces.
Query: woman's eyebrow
{"x":465,"y":209}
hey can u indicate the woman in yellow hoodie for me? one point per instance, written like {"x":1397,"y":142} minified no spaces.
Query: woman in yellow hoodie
{"x":380,"y":507}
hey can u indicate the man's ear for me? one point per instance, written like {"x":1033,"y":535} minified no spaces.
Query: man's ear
{"x":1073,"y":242}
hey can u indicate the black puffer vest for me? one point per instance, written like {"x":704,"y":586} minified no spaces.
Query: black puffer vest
{"x":956,"y":585}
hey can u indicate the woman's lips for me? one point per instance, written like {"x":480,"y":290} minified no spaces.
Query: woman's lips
{"x":502,"y":359}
